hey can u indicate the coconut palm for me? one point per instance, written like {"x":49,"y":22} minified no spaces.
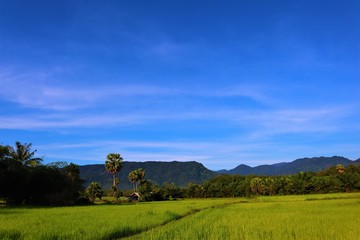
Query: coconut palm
{"x":22,"y":153}
{"x":113,"y":164}
{"x":4,"y":152}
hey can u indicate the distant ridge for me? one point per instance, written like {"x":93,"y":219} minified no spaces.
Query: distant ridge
{"x":180,"y":173}
{"x":303,"y":164}
{"x":183,"y":173}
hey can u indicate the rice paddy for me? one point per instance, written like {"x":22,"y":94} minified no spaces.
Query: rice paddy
{"x":330,"y":216}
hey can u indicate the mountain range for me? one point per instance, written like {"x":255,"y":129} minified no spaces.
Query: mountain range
{"x":180,"y":173}
{"x":183,"y":173}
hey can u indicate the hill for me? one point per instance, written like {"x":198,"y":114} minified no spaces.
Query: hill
{"x":180,"y":173}
{"x":303,"y":164}
{"x":183,"y":173}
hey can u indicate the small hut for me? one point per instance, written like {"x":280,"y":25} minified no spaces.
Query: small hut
{"x":134,"y":196}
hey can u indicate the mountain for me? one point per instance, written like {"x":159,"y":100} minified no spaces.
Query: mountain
{"x":303,"y":164}
{"x":183,"y":173}
{"x":180,"y":173}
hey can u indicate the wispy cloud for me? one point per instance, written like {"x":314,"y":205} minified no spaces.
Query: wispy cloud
{"x":27,"y":122}
{"x":35,"y":90}
{"x":279,"y":121}
{"x":166,"y":48}
{"x":258,"y":123}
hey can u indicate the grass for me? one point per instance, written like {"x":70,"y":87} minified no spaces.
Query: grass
{"x":336,"y":216}
{"x":94,"y":222}
{"x":330,"y":216}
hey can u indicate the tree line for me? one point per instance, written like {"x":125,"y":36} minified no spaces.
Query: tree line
{"x":143,"y":189}
{"x":333,"y":179}
{"x":25,"y":180}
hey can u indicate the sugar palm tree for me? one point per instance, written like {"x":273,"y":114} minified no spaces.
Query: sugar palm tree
{"x":113,"y":164}
{"x":136,"y":176}
{"x":22,"y":153}
{"x":72,"y":171}
{"x":132,"y":179}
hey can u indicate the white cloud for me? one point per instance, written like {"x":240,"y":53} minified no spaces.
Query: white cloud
{"x":33,"y":91}
{"x":37,"y":90}
{"x":258,"y":124}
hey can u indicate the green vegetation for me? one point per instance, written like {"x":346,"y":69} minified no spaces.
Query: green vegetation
{"x":23,"y":180}
{"x":327,"y":216}
{"x":183,"y":173}
{"x":136,"y":176}
{"x":333,"y":179}
{"x":93,"y":191}
{"x":180,"y":173}
{"x":95,"y":222}
{"x":22,"y":153}
{"x":113,"y":164}
{"x":270,"y":215}
{"x":285,"y":217}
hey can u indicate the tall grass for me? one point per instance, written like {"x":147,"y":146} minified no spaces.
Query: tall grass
{"x":94,"y":222}
{"x":325,"y":217}
{"x":330,"y":216}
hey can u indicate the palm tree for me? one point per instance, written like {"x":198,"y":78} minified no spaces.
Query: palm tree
{"x":132,"y":179}
{"x":23,"y":154}
{"x":72,"y":171}
{"x":4,"y":152}
{"x":136,"y":176}
{"x":113,"y":164}
{"x":340,"y":168}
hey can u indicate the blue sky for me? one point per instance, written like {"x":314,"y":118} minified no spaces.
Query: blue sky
{"x":219,"y":82}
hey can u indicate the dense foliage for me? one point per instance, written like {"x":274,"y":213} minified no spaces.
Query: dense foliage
{"x":333,"y":179}
{"x":183,"y":173}
{"x":23,"y":180}
{"x":180,"y":173}
{"x":93,"y":191}
{"x":136,"y":176}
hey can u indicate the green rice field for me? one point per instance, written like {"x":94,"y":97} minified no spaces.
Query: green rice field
{"x":330,"y":216}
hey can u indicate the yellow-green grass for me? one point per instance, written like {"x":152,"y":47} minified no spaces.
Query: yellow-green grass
{"x":330,"y":216}
{"x":95,"y":222}
{"x":108,"y":199}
